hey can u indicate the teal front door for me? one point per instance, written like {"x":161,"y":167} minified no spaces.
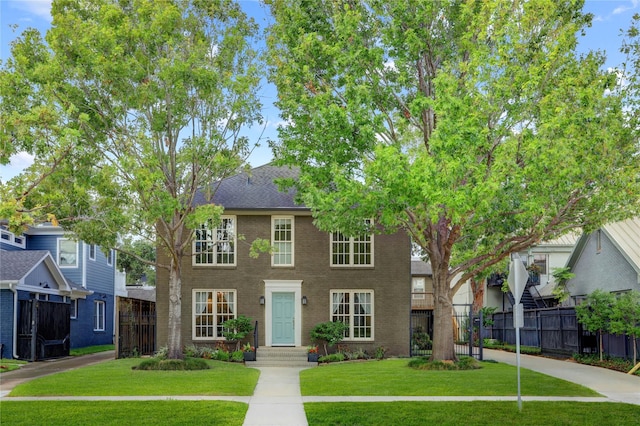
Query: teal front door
{"x":283,"y":319}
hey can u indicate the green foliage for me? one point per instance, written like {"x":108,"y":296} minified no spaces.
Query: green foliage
{"x":336,"y":357}
{"x":236,"y":329}
{"x":330,"y":333}
{"x":595,"y":312}
{"x":421,"y":339}
{"x":131,"y":109}
{"x":380,"y":352}
{"x":172,"y":364}
{"x":464,"y":363}
{"x":625,"y":318}
{"x":561,"y":276}
{"x":473,"y":126}
{"x":487,"y":315}
{"x":237,"y":356}
{"x":137,"y":258}
{"x":611,"y":363}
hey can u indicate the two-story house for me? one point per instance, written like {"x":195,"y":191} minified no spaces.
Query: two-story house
{"x":311,"y":277}
{"x":73,"y":283}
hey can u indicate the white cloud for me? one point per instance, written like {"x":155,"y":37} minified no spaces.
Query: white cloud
{"x":621,"y":9}
{"x":40,"y":8}
{"x":19,"y":162}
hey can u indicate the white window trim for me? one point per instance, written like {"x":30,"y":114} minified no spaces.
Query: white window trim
{"x":215,"y":318}
{"x":94,"y":248}
{"x":102,"y":325}
{"x":74,"y":302}
{"x":110,"y":257}
{"x":351,"y":323}
{"x":293,"y":238}
{"x":214,"y":263}
{"x":77,"y":254}
{"x":12,"y":239}
{"x":351,"y":254}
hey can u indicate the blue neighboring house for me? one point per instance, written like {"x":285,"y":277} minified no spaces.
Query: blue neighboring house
{"x":45,"y":264}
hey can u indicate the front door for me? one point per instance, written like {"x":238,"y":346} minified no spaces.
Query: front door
{"x":283,"y":319}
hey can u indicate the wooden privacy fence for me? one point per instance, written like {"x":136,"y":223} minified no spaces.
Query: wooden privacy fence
{"x":43,"y":330}
{"x":136,"y":328}
{"x":557,"y":332}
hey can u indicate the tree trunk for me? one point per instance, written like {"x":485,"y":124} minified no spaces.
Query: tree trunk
{"x":477,"y":286}
{"x":443,"y":343}
{"x":175,"y":312}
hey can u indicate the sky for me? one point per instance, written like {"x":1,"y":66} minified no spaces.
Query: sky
{"x":610,"y":17}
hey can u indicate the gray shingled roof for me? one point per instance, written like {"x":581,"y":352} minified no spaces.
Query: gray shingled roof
{"x":15,"y":264}
{"x":419,"y":267}
{"x":255,"y":190}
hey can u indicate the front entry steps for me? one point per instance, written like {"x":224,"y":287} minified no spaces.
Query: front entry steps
{"x":281,"y":357}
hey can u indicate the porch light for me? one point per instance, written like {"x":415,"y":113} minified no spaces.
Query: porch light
{"x":304,"y":300}
{"x":262,"y":300}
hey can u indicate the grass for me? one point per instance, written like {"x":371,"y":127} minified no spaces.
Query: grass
{"x":116,"y":378}
{"x":471,"y":413}
{"x":152,"y":413}
{"x":91,"y":350}
{"x":393,"y":377}
{"x":10,"y":364}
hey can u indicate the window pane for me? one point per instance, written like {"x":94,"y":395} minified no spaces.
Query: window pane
{"x":68,"y":253}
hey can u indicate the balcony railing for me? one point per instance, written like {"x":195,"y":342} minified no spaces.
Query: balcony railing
{"x":422,"y":301}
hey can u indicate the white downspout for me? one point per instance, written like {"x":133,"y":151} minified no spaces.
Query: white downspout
{"x":13,"y":289}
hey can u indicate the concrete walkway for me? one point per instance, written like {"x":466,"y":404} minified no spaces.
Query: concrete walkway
{"x":277,"y":399}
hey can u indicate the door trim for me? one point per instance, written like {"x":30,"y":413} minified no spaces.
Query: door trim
{"x":283,"y":286}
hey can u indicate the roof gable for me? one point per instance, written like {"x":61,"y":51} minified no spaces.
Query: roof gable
{"x":254,"y":190}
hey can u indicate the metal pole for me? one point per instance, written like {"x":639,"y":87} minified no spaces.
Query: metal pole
{"x":518,"y":366}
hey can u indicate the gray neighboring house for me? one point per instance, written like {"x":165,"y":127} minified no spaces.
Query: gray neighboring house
{"x":607,"y":259}
{"x":313,"y":277}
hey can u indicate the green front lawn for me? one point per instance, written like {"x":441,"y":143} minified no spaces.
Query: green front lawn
{"x":91,"y":350}
{"x":152,"y":413}
{"x":393,"y":377}
{"x":116,"y":378}
{"x":471,"y":413}
{"x":10,"y":364}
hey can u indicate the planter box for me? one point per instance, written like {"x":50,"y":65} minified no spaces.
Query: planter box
{"x":249,"y":356}
{"x":312,"y":357}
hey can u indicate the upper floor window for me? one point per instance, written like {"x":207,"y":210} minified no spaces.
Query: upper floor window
{"x":211,"y":308}
{"x":215,"y":246}
{"x":355,"y":309}
{"x":110,"y":257}
{"x":12,"y":239}
{"x":92,"y":251}
{"x":282,"y":240}
{"x":351,"y":251}
{"x":540,"y":263}
{"x":67,"y":253}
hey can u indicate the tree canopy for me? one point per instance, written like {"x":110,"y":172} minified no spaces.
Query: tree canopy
{"x":149,"y":100}
{"x":475,"y":126}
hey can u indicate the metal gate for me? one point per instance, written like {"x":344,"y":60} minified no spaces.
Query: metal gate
{"x":43,"y":330}
{"x":467,"y":332}
{"x":136,"y":328}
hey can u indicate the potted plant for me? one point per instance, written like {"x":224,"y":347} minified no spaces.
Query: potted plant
{"x":312,"y":354}
{"x":236,"y":329}
{"x":249,"y":352}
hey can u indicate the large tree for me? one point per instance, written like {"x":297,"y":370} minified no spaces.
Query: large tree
{"x":162,"y":90}
{"x":473,"y":125}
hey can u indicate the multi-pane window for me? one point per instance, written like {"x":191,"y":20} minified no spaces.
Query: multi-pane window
{"x":67,"y":253}
{"x":540,"y":262}
{"x":215,"y":245}
{"x":211,"y":308}
{"x":282,"y":240}
{"x":351,"y":251}
{"x":355,"y":309}
{"x":98,"y":317}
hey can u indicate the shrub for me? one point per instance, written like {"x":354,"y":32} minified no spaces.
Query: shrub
{"x":380,"y":352}
{"x":220,"y":355}
{"x":330,"y":333}
{"x":172,"y":364}
{"x":337,"y":357}
{"x":236,"y":329}
{"x":162,"y":353}
{"x":237,"y":356}
{"x":464,"y":363}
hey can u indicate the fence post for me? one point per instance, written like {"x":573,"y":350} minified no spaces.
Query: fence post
{"x":471,"y":332}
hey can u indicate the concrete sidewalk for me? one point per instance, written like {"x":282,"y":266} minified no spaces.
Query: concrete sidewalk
{"x":614,"y":385}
